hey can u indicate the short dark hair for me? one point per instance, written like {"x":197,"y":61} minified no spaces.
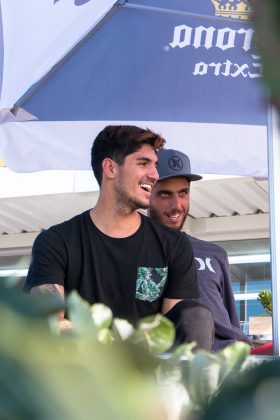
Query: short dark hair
{"x":118,"y":141}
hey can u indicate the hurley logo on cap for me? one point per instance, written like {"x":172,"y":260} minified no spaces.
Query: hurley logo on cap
{"x":175,"y":163}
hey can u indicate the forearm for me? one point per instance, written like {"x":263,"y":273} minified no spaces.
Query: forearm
{"x":168,"y":304}
{"x":58,"y":290}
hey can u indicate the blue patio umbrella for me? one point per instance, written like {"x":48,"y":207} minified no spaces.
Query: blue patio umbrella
{"x":175,"y":66}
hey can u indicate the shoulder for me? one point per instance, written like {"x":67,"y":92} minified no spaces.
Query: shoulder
{"x":202,"y":246}
{"x":63,"y":229}
{"x":156,"y":226}
{"x":165,"y":233}
{"x":71,"y":223}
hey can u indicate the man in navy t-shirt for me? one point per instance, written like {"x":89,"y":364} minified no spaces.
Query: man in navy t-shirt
{"x":169,"y":204}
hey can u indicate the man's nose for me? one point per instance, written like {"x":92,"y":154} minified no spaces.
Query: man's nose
{"x":153,"y":173}
{"x":176,"y":202}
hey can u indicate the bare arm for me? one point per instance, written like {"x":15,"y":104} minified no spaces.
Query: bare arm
{"x":168,"y":304}
{"x":58,"y":290}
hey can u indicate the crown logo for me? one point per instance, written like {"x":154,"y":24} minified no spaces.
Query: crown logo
{"x":236,"y":9}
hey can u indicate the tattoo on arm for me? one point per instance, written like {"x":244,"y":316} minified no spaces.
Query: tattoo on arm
{"x":55,"y":289}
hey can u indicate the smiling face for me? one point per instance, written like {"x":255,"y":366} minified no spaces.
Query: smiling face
{"x":169,"y":203}
{"x":136,"y":177}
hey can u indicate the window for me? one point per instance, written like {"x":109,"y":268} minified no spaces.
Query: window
{"x":250,"y":272}
{"x":13,"y":267}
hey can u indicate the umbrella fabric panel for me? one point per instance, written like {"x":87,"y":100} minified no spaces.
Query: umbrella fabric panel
{"x":139,"y":66}
{"x":37,"y":34}
{"x":212,"y":148}
{"x":205,"y":7}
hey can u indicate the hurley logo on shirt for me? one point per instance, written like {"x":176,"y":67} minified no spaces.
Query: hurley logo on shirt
{"x":204,"y":263}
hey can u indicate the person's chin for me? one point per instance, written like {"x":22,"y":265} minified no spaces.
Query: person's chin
{"x":175,"y":224}
{"x":142,"y":204}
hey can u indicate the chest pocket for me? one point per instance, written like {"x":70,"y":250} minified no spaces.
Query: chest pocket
{"x":150,"y":282}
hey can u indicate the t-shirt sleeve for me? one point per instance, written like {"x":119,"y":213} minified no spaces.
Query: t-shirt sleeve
{"x":48,"y":260}
{"x":182,"y":279}
{"x":228,"y":296}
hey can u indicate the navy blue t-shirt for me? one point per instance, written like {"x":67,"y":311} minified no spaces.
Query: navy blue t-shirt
{"x":216,"y":293}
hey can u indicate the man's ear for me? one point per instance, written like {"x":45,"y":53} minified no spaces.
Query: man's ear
{"x":109,"y":167}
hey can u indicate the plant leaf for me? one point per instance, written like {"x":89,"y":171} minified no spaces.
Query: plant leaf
{"x":184,"y":351}
{"x":80,"y":314}
{"x":158,"y":331}
{"x":102,"y":315}
{"x":104,"y":336}
{"x":122,"y":329}
{"x":203,"y":380}
{"x":232,"y":358}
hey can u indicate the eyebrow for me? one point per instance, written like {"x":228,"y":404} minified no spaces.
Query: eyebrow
{"x":186,"y":189}
{"x":145,"y":159}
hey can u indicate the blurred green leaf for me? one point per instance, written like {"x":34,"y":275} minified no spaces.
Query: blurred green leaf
{"x":203,"y":378}
{"x":30,"y":305}
{"x":232,"y":358}
{"x":102,"y":315}
{"x":122,"y":329}
{"x":184,"y":351}
{"x":267,"y":23}
{"x":158,"y":331}
{"x":254,"y":394}
{"x":46,"y":376}
{"x":174,"y":395}
{"x":104,"y":336}
{"x":80,"y":314}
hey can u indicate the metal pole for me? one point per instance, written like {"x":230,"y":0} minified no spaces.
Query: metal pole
{"x":274,"y":202}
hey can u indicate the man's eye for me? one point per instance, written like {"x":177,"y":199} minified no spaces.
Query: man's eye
{"x":163,"y":195}
{"x":184,"y":193}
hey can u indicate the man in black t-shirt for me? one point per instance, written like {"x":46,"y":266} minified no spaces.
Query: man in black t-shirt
{"x":114,"y":255}
{"x":169,"y":204}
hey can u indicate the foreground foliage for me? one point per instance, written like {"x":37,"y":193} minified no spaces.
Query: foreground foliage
{"x":267,"y":23}
{"x":103,"y":367}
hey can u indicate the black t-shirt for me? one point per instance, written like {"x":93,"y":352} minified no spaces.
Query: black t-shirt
{"x":130,"y":275}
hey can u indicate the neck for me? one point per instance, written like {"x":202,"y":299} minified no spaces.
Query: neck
{"x":114,"y":220}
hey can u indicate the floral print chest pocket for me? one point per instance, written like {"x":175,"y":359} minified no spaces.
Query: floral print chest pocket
{"x":150,"y":282}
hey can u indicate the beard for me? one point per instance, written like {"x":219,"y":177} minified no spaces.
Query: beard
{"x":126,"y":200}
{"x":133,"y":203}
{"x":156,"y":215}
